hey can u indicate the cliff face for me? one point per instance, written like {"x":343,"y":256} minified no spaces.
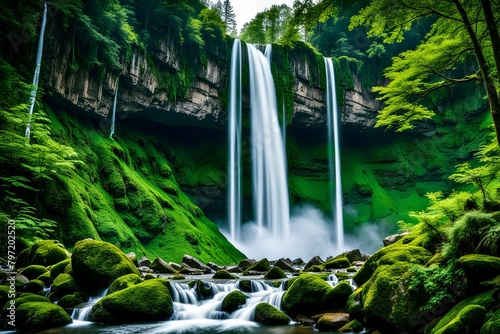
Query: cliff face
{"x":141,"y":95}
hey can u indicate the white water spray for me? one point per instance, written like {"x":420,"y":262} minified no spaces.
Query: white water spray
{"x":113,"y":116}
{"x":36,"y":76}
{"x":334,"y":157}
{"x":270,"y":187}
{"x":234,"y":164}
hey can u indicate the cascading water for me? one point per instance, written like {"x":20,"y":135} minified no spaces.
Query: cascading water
{"x":36,"y":76}
{"x":270,"y":187}
{"x":82,"y":313}
{"x":114,"y":112}
{"x":234,"y":165}
{"x":334,"y":154}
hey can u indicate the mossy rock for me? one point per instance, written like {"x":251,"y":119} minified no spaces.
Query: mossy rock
{"x":59,"y":268}
{"x":339,"y":263}
{"x":124,"y":282}
{"x":387,"y":301}
{"x":330,"y":322}
{"x":246,"y":286}
{"x":147,"y":301}
{"x":46,"y":278}
{"x":64,"y":284}
{"x":275,"y":273}
{"x":337,"y":297}
{"x":37,"y":316}
{"x":492,"y":326}
{"x":224,"y":274}
{"x":354,"y":306}
{"x":44,"y":253}
{"x":34,"y":286}
{"x":353,"y":326}
{"x":204,"y":289}
{"x":486,"y":299}
{"x":233,"y":301}
{"x":479,"y":267}
{"x":389,"y":255}
{"x":178,"y":277}
{"x":307,"y":296}
{"x":149,"y":276}
{"x":468,"y":320}
{"x":315,"y":268}
{"x":258,"y":267}
{"x":33,"y":271}
{"x":342,"y":276}
{"x":269,"y":315}
{"x":96,"y":264}
{"x":70,"y":301}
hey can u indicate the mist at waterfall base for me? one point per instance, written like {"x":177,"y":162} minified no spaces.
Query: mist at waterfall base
{"x":311,"y":233}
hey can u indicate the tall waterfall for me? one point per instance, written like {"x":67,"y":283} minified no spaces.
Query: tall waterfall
{"x":334,"y":154}
{"x":113,"y":116}
{"x":270,"y":187}
{"x":36,"y":76}
{"x":234,"y":163}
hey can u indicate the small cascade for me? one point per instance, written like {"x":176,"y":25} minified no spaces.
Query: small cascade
{"x":234,"y":123}
{"x":46,"y":290}
{"x":182,"y":293}
{"x":270,"y":186}
{"x":334,"y":154}
{"x":36,"y":76}
{"x":332,"y":280}
{"x":83,"y":313}
{"x":113,"y":116}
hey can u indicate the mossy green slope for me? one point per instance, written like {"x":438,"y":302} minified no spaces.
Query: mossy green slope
{"x":125,"y":193}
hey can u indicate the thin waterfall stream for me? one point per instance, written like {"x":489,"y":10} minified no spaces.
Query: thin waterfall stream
{"x":113,"y":116}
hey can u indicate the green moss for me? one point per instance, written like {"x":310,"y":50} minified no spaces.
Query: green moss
{"x":246,"y":286}
{"x":353,"y":304}
{"x":204,"y":289}
{"x":64,"y":284}
{"x":44,"y":253}
{"x":40,"y":315}
{"x":353,"y":326}
{"x":478,"y":267}
{"x":33,"y":271}
{"x":34,"y":286}
{"x":59,"y":268}
{"x":178,"y":277}
{"x":337,"y":263}
{"x":147,"y":301}
{"x":337,"y":297}
{"x":275,"y":273}
{"x":492,"y":326}
{"x":233,"y":301}
{"x":45,"y":278}
{"x":224,"y":274}
{"x":307,"y":296}
{"x":70,"y":301}
{"x":124,"y":282}
{"x":259,"y":266}
{"x":269,"y":315}
{"x":470,"y":317}
{"x":96,"y":264}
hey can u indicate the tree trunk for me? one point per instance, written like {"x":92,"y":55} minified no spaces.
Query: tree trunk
{"x":493,"y":30}
{"x":485,"y":72}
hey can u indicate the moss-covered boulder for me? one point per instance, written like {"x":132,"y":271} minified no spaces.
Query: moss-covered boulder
{"x":257,"y":268}
{"x":33,"y":271}
{"x":339,"y":263}
{"x":233,"y":301}
{"x":389,"y":255}
{"x":275,"y":273}
{"x":44,"y":253}
{"x":269,"y":315}
{"x":163,"y":267}
{"x":308,"y":295}
{"x":224,"y":274}
{"x":492,"y":326}
{"x":487,"y":300}
{"x":46,"y":278}
{"x":37,"y":316}
{"x":204,"y":289}
{"x":96,"y":264}
{"x":338,"y":296}
{"x":124,"y":282}
{"x":59,"y":268}
{"x":479,"y":267}
{"x":354,"y":306}
{"x":315,"y":261}
{"x":468,"y":320}
{"x":147,"y":301}
{"x":332,"y":322}
{"x":246,"y":285}
{"x":388,"y":303}
{"x":64,"y":284}
{"x":70,"y":301}
{"x":353,"y":326}
{"x":34,"y":286}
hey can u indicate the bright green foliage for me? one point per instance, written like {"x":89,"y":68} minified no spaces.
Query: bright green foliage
{"x":435,"y":281}
{"x":268,"y":26}
{"x":147,"y":301}
{"x":40,"y":315}
{"x":234,"y":300}
{"x":269,"y":315}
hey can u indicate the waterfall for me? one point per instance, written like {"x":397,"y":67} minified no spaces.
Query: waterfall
{"x":334,"y":157}
{"x":114,"y":112}
{"x":234,"y":122}
{"x":36,"y":76}
{"x":270,"y":187}
{"x":83,"y":312}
